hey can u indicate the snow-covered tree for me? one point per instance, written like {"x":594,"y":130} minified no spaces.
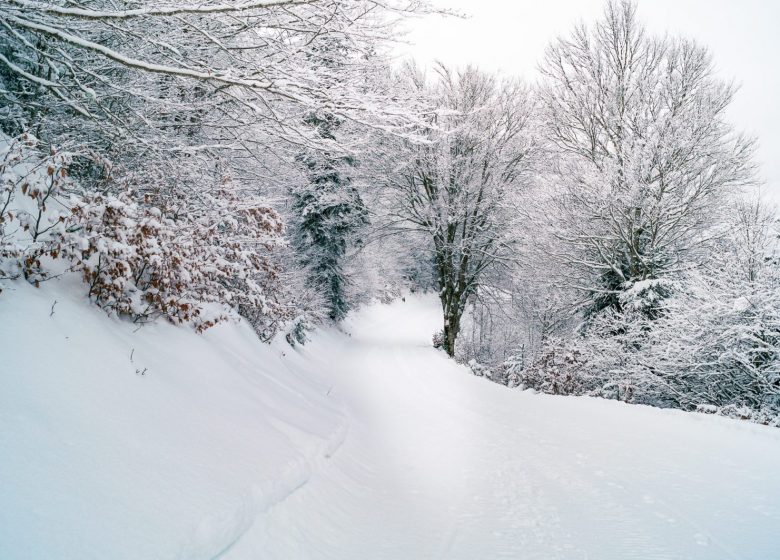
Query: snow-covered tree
{"x":168,"y":90}
{"x":96,"y":58}
{"x":327,"y":210}
{"x":713,"y":344}
{"x":456,"y":186}
{"x":328,"y":214}
{"x":642,"y":153}
{"x":167,"y":101}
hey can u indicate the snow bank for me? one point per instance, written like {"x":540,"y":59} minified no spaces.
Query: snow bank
{"x":119,"y":442}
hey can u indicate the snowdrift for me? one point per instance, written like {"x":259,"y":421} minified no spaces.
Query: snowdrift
{"x":155,"y":442}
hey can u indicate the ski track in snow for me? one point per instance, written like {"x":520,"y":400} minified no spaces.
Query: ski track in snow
{"x":364,"y":444}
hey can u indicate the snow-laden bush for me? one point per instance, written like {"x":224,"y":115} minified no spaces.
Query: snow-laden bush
{"x":720,"y":345}
{"x":713,"y":346}
{"x":480,"y":370}
{"x":30,"y":212}
{"x":560,"y":369}
{"x":141,"y":260}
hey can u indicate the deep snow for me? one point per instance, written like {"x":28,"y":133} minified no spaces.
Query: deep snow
{"x":363,"y":445}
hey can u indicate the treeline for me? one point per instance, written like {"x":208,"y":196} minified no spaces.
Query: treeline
{"x":594,"y":233}
{"x":646,"y":268}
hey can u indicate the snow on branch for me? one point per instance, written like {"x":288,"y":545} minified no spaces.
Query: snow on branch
{"x":84,"y":13}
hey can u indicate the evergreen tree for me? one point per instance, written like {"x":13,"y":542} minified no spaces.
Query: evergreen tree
{"x":329,"y":212}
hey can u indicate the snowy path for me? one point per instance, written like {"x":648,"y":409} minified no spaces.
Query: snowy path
{"x":440,"y":464}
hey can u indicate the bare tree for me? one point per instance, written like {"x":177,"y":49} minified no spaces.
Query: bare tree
{"x":457,"y":185}
{"x":177,"y":87}
{"x":754,"y":231}
{"x":644,"y":153}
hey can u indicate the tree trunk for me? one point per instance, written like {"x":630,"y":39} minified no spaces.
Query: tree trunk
{"x":452,"y":316}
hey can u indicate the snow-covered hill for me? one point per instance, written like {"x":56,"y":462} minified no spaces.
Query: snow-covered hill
{"x":118,"y":442}
{"x":156,"y":443}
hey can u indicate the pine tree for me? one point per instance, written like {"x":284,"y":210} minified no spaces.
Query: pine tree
{"x":329,"y":212}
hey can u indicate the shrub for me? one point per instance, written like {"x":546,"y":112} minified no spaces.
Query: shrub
{"x":209,"y":258}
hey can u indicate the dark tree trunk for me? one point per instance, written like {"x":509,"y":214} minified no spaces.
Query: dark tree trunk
{"x":451,"y":330}
{"x":453,"y":310}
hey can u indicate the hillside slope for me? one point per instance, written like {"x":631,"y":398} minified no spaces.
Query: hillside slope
{"x":366,"y":443}
{"x":98,"y":460}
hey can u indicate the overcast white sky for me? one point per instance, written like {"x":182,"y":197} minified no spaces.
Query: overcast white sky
{"x":511,"y":35}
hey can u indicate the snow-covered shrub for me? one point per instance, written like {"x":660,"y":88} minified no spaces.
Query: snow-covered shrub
{"x":510,"y":372}
{"x":480,"y":370}
{"x":140,"y":262}
{"x":720,"y":344}
{"x":10,"y":156}
{"x":561,"y":369}
{"x":240,"y":232}
{"x":31,"y":212}
{"x":296,"y":332}
{"x":712,"y":344}
{"x":606,"y":358}
{"x":768,"y":417}
{"x":129,"y":257}
{"x":438,"y":339}
{"x":210,"y":257}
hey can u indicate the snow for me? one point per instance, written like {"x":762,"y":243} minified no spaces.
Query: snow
{"x":741,"y":304}
{"x":365,"y":443}
{"x":100,"y":461}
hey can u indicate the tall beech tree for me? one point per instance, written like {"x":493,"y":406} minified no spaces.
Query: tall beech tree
{"x":457,"y":184}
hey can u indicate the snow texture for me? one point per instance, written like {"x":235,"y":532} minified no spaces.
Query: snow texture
{"x":126,"y":443}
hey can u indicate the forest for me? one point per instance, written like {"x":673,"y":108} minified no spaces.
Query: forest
{"x":599,"y":231}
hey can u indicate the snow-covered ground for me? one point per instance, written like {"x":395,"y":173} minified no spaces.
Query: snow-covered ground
{"x":369,"y":444}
